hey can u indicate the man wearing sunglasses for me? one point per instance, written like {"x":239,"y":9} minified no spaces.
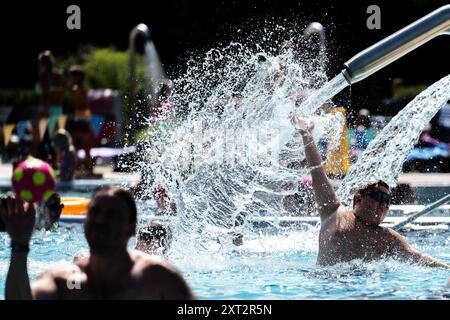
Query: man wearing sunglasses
{"x":354,"y":234}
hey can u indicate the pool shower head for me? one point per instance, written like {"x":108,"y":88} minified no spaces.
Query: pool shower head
{"x":140,"y":29}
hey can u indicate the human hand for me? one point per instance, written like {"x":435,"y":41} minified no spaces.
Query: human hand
{"x":18,"y":217}
{"x":303,"y":125}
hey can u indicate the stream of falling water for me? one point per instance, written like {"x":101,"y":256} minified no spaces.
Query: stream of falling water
{"x":384,"y":156}
{"x":154,"y":71}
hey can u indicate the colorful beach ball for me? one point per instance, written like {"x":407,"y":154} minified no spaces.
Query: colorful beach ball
{"x":34,"y":180}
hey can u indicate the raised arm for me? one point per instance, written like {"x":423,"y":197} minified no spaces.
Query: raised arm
{"x":19,"y":223}
{"x":326,"y":198}
{"x":401,"y":249}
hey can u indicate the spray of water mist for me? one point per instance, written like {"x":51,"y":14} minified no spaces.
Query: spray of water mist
{"x":154,"y":71}
{"x":229,"y":151}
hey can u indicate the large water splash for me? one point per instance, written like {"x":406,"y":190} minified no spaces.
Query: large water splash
{"x":384,"y":156}
{"x":230,"y":151}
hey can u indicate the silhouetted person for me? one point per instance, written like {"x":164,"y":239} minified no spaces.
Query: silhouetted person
{"x":66,"y":158}
{"x":50,"y":88}
{"x":80,"y":124}
{"x":109,"y":272}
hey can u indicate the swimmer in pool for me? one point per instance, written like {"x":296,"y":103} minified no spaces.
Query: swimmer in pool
{"x":47,"y":213}
{"x":354,"y":234}
{"x":154,"y":238}
{"x":110,"y":271}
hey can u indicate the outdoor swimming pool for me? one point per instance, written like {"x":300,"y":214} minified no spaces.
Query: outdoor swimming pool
{"x":268,"y":266}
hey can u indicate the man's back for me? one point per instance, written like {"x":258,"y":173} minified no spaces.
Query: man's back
{"x":147,"y":278}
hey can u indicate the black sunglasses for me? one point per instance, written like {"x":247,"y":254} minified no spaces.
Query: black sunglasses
{"x":379,"y":196}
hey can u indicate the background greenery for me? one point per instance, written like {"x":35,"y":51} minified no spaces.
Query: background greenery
{"x":104,"y":68}
{"x":109,"y":68}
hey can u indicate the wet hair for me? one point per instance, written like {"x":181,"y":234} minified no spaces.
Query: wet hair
{"x":374,"y":185}
{"x":122,"y":194}
{"x":54,"y":202}
{"x":156,"y":231}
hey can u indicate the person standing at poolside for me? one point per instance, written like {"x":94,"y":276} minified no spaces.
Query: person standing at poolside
{"x":80,"y":125}
{"x":354,"y":234}
{"x":109,"y":272}
{"x":66,"y":157}
{"x":50,"y":88}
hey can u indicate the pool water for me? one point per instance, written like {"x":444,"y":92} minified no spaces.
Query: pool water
{"x":278,"y":266}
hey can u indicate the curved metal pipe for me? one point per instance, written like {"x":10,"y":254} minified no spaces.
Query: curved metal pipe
{"x":397,"y":45}
{"x":143,"y":30}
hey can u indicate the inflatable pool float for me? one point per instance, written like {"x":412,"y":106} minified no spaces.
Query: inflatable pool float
{"x":74,"y":206}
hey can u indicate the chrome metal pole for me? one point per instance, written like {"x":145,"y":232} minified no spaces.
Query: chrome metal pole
{"x":427,"y":209}
{"x":397,"y":45}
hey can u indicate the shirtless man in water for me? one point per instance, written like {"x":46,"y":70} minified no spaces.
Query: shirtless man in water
{"x":110,"y":271}
{"x":354,"y":234}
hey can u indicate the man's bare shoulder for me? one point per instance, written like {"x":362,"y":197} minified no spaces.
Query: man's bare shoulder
{"x":146,"y":263}
{"x":159,"y":273}
{"x":60,"y":271}
{"x":343,"y":211}
{"x":393,"y":236}
{"x":340,"y":215}
{"x":51,"y":283}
